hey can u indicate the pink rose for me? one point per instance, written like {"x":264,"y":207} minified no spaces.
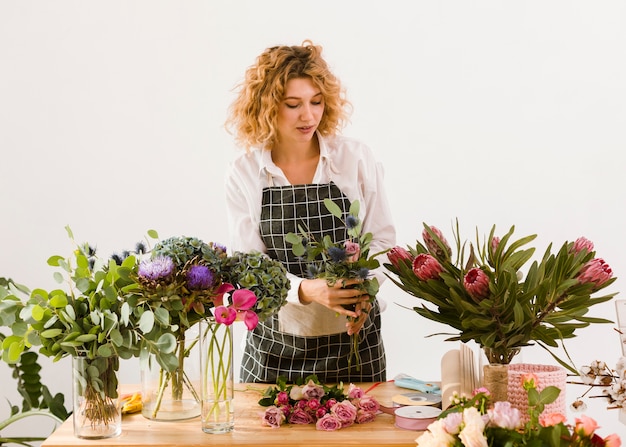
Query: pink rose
{"x":367,"y":403}
{"x":295,"y":393}
{"x":582,"y":244}
{"x":612,"y":441}
{"x":300,"y":416}
{"x":363,"y":417}
{"x":353,"y":251}
{"x":426,"y":267}
{"x":398,"y":256}
{"x":476,"y":283}
{"x":345,"y":412}
{"x":529,"y":380}
{"x":312,"y":391}
{"x":313,"y":404}
{"x":320,"y":412}
{"x":585,"y":426}
{"x":329,"y":422}
{"x":550,"y":419}
{"x":355,"y":392}
{"x":273,"y":417}
{"x":595,"y":271}
{"x":440,"y":252}
{"x":282,"y":398}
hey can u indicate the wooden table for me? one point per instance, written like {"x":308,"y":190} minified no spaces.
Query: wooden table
{"x":139,"y":431}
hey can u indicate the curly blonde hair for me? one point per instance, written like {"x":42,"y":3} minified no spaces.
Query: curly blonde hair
{"x":253,"y":115}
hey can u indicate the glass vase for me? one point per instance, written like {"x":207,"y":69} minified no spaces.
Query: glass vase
{"x":96,"y":410}
{"x":217,"y":378}
{"x":173,"y":395}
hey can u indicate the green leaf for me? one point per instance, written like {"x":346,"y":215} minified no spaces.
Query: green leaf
{"x":166,"y":343}
{"x":146,"y":321}
{"x":153,"y":234}
{"x":333,"y":208}
{"x":51,"y":333}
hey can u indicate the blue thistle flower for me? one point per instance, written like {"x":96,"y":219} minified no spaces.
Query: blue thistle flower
{"x":199,"y":277}
{"x":117,"y":258}
{"x":337,"y":254}
{"x":363,"y":273}
{"x":159,"y":267}
{"x":352,"y":222}
{"x":312,"y":271}
{"x":140,"y":248}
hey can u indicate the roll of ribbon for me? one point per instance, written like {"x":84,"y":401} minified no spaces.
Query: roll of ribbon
{"x":416,"y":417}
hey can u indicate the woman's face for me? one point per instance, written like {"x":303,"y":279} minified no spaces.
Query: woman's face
{"x":300,"y":111}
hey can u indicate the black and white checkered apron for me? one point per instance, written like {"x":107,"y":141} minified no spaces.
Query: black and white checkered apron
{"x":270,"y":353}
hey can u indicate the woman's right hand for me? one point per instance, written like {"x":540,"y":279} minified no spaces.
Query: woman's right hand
{"x":334,"y":297}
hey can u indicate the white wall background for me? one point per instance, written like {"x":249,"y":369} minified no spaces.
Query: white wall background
{"x":495,"y":112}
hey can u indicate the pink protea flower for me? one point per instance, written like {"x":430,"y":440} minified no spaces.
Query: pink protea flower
{"x":493,"y":244}
{"x":398,"y":255}
{"x":476,"y":283}
{"x":426,"y":267}
{"x":595,"y":271}
{"x":582,"y":244}
{"x":433,"y":246}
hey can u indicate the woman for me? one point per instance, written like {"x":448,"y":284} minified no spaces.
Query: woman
{"x":287,"y":116}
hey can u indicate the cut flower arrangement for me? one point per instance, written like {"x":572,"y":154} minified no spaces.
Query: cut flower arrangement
{"x":340,"y":260}
{"x":184,"y":281}
{"x":136,"y":304}
{"x":480,"y":292}
{"x":310,"y":402}
{"x":478,"y":422}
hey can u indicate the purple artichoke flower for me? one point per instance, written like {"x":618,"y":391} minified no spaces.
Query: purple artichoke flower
{"x":157,"y":268}
{"x":199,"y":277}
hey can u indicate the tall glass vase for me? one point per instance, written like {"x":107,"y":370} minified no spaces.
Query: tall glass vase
{"x":217,"y":377}
{"x":96,"y":410}
{"x":173,"y":395}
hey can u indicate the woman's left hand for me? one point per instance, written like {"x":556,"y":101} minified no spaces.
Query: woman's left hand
{"x":362,"y":309}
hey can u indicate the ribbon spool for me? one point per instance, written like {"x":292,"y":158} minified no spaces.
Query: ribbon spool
{"x":417,"y":417}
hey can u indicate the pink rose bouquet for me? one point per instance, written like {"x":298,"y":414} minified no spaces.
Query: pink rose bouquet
{"x":309,"y":402}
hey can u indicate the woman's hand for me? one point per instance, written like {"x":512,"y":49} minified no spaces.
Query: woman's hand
{"x":354,"y":326}
{"x":335,"y":297}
